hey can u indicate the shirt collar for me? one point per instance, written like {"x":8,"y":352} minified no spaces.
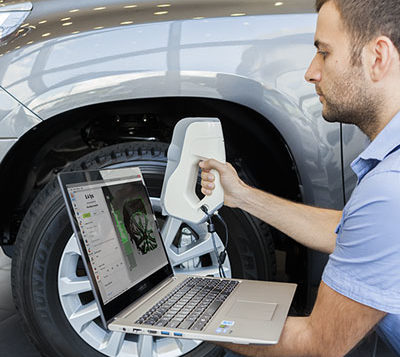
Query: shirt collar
{"x":385,"y":142}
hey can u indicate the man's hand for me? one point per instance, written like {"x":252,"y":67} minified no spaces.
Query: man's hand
{"x":334,"y":327}
{"x":234,"y":187}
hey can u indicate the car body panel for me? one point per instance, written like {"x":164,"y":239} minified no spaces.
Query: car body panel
{"x":15,"y":120}
{"x":5,"y":146}
{"x":16,"y":5}
{"x":256,"y":61}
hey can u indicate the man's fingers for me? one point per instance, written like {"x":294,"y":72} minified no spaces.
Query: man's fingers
{"x":212,"y":164}
{"x":206,"y":192}
{"x":208,"y":185}
{"x":207,"y":176}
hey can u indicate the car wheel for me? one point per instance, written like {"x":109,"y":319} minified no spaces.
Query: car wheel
{"x":52,"y":291}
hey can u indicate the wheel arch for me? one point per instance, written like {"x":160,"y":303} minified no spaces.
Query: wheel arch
{"x":48,"y":147}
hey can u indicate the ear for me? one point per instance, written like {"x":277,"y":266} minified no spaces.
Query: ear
{"x":381,"y":53}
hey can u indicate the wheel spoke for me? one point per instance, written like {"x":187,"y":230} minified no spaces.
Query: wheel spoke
{"x":200,"y":248}
{"x":68,"y":286}
{"x":186,"y":345}
{"x":145,"y":346}
{"x":83,"y":315}
{"x":72,"y":247}
{"x":169,"y":230}
{"x":112,"y":344}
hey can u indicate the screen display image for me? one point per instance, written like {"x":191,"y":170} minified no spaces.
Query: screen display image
{"x":137,"y":223}
{"x":119,"y":232}
{"x":134,"y":226}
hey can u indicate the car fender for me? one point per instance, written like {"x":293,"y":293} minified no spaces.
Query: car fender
{"x":247,"y":60}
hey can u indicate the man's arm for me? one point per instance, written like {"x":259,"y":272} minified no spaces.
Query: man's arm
{"x":334,"y":327}
{"x":310,"y":226}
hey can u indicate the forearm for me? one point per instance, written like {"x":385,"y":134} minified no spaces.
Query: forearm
{"x":311,"y":226}
{"x":296,"y":340}
{"x":334,"y":327}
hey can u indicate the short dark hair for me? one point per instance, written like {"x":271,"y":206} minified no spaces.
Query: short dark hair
{"x":366,"y":19}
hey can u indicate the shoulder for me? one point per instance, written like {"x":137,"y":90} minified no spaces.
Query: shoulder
{"x":374,"y":206}
{"x":378,"y":186}
{"x":381,"y":186}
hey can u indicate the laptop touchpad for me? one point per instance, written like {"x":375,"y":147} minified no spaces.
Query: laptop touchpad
{"x":252,"y":310}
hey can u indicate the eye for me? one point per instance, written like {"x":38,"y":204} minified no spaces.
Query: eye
{"x":322,"y":53}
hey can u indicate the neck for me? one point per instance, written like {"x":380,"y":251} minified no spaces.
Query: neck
{"x":385,"y":115}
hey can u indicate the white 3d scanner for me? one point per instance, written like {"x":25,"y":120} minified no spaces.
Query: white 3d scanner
{"x":193,"y":140}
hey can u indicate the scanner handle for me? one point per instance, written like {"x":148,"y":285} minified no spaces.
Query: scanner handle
{"x":193,"y":140}
{"x":211,"y":201}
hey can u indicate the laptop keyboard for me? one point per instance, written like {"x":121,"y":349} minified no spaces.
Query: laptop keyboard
{"x":190,"y":305}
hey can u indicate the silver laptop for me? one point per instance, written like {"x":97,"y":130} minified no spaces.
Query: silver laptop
{"x":133,"y":281}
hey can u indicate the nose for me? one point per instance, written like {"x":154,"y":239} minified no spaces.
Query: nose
{"x":313,"y":74}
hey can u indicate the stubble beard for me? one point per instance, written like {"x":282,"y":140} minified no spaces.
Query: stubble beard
{"x":349,"y":101}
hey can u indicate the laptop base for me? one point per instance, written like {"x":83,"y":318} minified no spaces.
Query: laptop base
{"x":254,"y":313}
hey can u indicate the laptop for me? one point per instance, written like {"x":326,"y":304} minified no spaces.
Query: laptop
{"x":133,"y":280}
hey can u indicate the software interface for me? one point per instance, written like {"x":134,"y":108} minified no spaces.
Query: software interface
{"x":119,"y":233}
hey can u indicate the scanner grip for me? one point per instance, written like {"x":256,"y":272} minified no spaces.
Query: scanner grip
{"x":193,"y":140}
{"x":214,"y":201}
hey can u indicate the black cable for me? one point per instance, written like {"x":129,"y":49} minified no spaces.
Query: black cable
{"x":226,"y":229}
{"x":211,"y":228}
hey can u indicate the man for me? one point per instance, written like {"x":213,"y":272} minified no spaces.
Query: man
{"x":356,"y":72}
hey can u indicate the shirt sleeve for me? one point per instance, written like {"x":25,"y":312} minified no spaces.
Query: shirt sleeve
{"x":365,"y":265}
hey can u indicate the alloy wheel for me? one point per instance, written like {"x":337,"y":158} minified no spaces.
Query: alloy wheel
{"x":190,"y":250}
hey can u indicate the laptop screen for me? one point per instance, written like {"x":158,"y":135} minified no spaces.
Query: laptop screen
{"x":118,"y":233}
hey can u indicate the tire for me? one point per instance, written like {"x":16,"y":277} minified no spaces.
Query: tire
{"x":42,"y":249}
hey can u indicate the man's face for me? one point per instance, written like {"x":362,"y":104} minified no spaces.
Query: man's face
{"x":342,"y":87}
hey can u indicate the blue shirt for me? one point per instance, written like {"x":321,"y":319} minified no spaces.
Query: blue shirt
{"x":365,"y":265}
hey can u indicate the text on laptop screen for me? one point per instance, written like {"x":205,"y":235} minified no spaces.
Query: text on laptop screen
{"x":119,"y":232}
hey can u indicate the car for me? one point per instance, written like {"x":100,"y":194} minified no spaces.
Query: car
{"x":94,"y":84}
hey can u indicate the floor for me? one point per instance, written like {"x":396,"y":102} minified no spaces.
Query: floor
{"x":13,"y":341}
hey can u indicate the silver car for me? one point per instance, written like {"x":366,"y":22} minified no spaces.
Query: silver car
{"x":90,"y":84}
